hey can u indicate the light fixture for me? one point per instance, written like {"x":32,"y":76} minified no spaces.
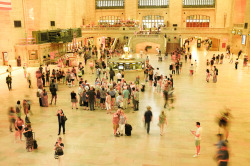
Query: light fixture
{"x":239,"y":32}
{"x":233,"y":31}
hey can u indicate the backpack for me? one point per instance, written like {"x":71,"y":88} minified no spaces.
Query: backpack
{"x":18,"y":110}
{"x":8,"y":79}
{"x":170,"y":67}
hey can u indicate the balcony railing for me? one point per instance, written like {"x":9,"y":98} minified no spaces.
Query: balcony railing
{"x":147,"y":36}
{"x":167,"y":30}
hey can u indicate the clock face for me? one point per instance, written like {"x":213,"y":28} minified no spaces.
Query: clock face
{"x":126,"y":49}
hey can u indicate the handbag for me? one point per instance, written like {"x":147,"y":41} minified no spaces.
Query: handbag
{"x":65,"y":118}
{"x":37,"y":94}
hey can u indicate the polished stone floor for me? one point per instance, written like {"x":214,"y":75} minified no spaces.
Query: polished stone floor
{"x":89,"y":139}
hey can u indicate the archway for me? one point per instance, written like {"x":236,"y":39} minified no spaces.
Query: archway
{"x":151,"y":47}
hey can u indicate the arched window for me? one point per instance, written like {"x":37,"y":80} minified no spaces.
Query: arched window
{"x":152,"y":21}
{"x":198,"y":3}
{"x":197,"y":21}
{"x":109,"y":20}
{"x":109,"y":4}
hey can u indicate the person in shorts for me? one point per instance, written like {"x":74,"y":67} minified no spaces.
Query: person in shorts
{"x":103,"y":97}
{"x":53,"y":93}
{"x":197,"y":135}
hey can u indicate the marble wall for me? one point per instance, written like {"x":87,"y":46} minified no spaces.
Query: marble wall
{"x":36,"y":15}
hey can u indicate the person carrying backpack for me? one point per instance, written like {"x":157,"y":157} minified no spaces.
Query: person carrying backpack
{"x":59,"y":146}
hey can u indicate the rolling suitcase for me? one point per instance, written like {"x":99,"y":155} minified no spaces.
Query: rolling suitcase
{"x":34,"y":142}
{"x":128,"y":129}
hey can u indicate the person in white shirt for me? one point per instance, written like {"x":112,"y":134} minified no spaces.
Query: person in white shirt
{"x":119,"y":77}
{"x":80,"y":93}
{"x":197,"y":135}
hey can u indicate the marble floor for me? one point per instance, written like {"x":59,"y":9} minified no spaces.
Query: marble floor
{"x":89,"y":139}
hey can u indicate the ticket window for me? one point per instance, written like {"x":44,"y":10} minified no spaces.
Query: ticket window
{"x":115,"y":65}
{"x":139,"y":65}
{"x":121,"y":66}
{"x":127,"y":66}
{"x":133,"y":66}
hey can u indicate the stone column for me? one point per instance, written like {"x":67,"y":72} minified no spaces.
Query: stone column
{"x":175,"y":12}
{"x":247,"y":31}
{"x":131,"y":7}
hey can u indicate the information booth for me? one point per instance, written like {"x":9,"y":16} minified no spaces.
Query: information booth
{"x":126,"y":64}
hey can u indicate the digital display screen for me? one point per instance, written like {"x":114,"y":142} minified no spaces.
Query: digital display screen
{"x":120,"y":67}
{"x":243,"y":39}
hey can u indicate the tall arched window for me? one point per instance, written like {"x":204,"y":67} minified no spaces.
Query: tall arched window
{"x":197,"y":21}
{"x":109,"y":20}
{"x":152,"y":21}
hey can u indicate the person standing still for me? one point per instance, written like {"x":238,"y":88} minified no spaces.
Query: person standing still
{"x":119,"y":77}
{"x":122,"y":122}
{"x":73,"y":99}
{"x":197,"y":135}
{"x":53,"y":93}
{"x":91,"y":96}
{"x":111,"y":74}
{"x":148,"y":117}
{"x":61,"y":121}
{"x":136,"y":100}
{"x":116,"y":119}
{"x":125,"y":98}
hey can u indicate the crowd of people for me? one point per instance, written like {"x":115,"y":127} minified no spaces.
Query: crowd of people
{"x":112,"y":92}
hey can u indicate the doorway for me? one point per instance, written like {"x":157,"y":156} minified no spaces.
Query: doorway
{"x":5,"y":58}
